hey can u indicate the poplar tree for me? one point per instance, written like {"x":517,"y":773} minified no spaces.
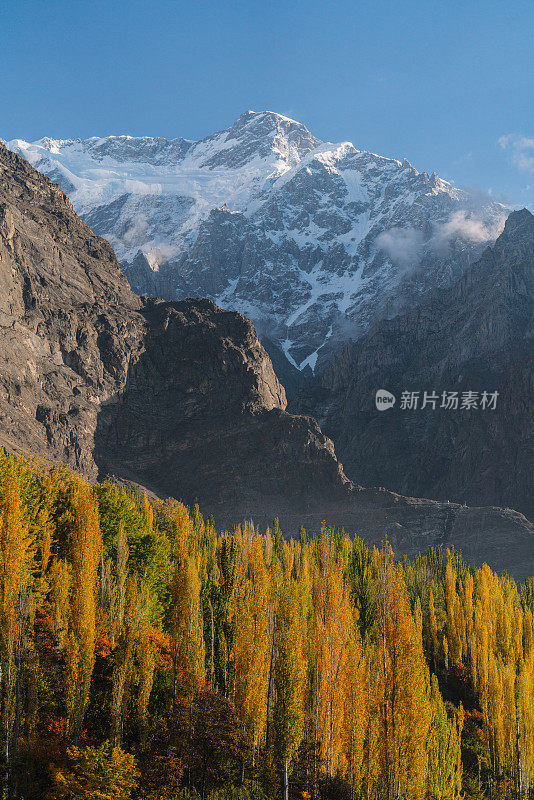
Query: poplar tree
{"x":289,"y":679}
{"x":85,"y":547}
{"x":251,"y":645}
{"x":186,"y":625}
{"x":402,"y":687}
{"x":333,"y":634}
{"x":147,"y":662}
{"x":16,"y":552}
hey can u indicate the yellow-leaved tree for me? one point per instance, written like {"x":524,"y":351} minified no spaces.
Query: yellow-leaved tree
{"x":16,"y":551}
{"x":85,"y":547}
{"x":252,"y":643}
{"x":401,"y":686}
{"x":186,"y":621}
{"x":97,"y":773}
{"x":289,"y":677}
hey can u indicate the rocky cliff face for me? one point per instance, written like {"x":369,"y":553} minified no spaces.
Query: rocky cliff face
{"x":476,"y":336}
{"x":179,"y":397}
{"x":310,"y":240}
{"x":68,"y":320}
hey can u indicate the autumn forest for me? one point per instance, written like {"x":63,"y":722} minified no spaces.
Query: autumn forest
{"x":146,"y":655}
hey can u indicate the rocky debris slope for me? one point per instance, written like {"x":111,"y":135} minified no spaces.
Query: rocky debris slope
{"x":179,"y":397}
{"x":311,"y":241}
{"x":477,"y":336}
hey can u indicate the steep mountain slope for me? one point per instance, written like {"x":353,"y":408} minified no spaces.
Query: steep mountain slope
{"x":476,"y":336}
{"x":312,"y":241}
{"x":179,"y":396}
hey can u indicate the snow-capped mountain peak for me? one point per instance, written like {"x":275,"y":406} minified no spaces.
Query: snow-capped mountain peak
{"x":311,"y":240}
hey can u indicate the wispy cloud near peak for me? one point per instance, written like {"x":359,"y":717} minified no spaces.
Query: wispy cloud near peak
{"x":521,"y":149}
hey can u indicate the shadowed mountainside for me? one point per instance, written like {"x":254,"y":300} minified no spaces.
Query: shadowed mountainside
{"x":476,"y":336}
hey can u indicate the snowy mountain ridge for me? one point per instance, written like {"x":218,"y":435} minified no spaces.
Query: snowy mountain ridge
{"x":313,"y":241}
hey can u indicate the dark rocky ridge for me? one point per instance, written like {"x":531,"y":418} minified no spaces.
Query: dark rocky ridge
{"x":478,"y":335}
{"x":179,"y":397}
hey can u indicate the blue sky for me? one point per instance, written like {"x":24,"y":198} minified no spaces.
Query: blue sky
{"x":449,"y":85}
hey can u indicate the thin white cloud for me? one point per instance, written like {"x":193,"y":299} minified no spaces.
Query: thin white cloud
{"x":464,"y":225}
{"x":405,"y":246}
{"x":161,"y":253}
{"x":402,"y":245}
{"x":521,"y":149}
{"x":135,"y":230}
